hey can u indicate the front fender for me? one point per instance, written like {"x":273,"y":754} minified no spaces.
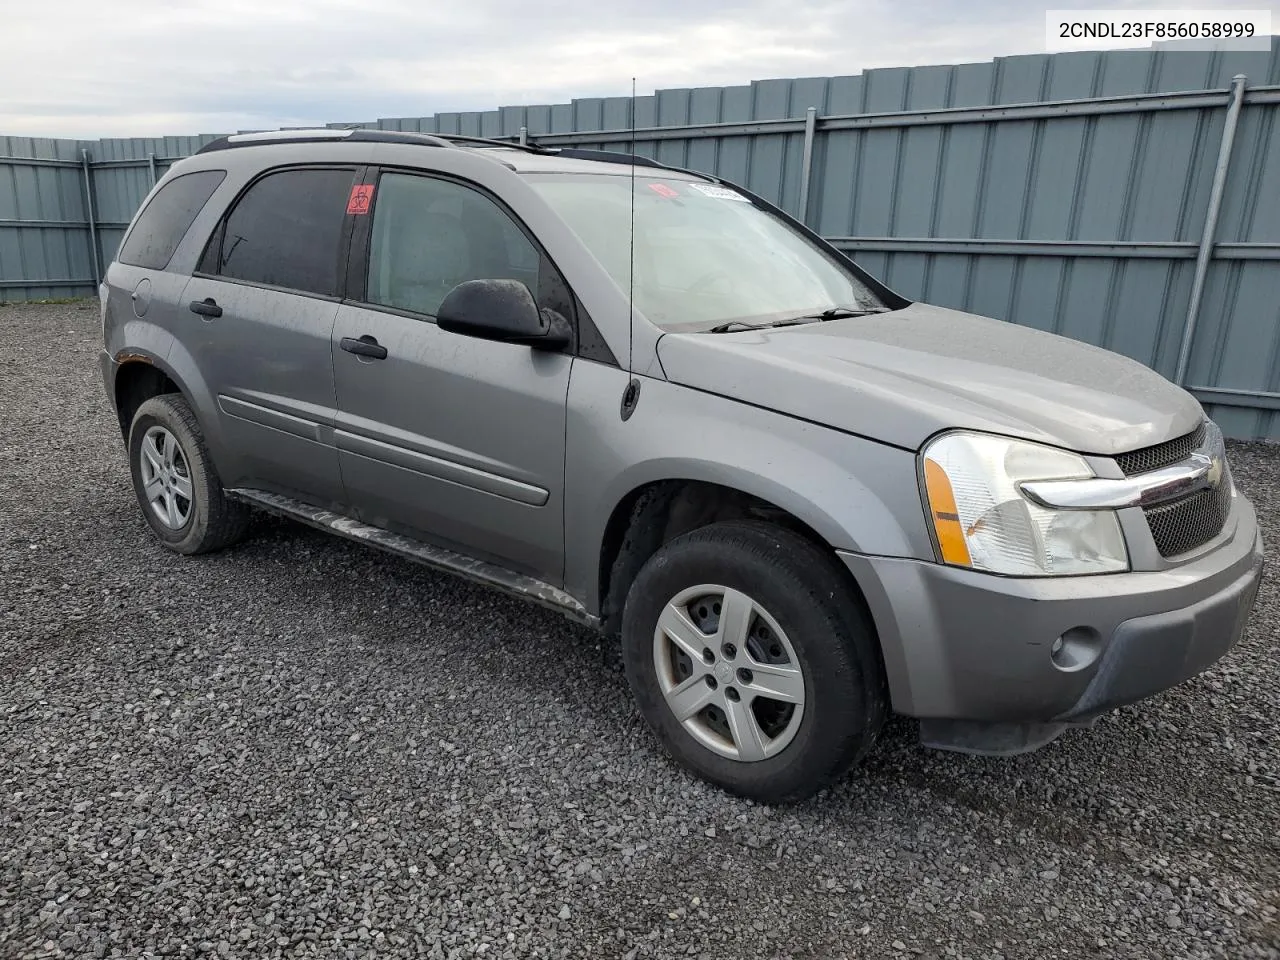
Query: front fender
{"x":860,"y":496}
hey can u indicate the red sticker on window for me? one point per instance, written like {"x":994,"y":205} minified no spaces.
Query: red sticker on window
{"x":361,"y":197}
{"x":662,"y":190}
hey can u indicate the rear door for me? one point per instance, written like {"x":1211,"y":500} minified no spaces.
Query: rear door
{"x":262,"y":306}
{"x":455,"y":439}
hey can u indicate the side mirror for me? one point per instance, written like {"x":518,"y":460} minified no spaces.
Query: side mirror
{"x":501,"y":310}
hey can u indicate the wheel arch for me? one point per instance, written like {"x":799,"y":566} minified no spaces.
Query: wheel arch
{"x":657,"y":511}
{"x":142,"y":374}
{"x":138,"y":378}
{"x":699,"y":688}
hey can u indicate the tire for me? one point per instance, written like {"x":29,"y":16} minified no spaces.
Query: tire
{"x":178,"y":467}
{"x":801,"y":615}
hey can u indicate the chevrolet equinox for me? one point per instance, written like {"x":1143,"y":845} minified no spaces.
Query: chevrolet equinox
{"x":655,"y":402}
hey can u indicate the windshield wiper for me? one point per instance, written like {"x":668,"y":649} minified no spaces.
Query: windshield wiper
{"x":841,"y":313}
{"x":735,"y":325}
{"x":831,"y":313}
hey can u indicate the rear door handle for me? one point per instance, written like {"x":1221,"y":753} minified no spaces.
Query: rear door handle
{"x":365,"y":346}
{"x":207,"y":307}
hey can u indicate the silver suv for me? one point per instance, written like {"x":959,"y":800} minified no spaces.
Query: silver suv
{"x":653,"y":401}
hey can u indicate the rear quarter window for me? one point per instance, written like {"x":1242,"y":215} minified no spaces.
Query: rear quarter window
{"x":167,"y":218}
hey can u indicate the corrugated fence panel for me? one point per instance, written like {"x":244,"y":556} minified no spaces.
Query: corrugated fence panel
{"x":38,"y":260}
{"x":120,"y":183}
{"x":1141,"y":178}
{"x":1237,"y":345}
{"x":1083,"y":219}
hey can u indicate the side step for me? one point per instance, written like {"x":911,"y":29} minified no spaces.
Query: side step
{"x":480,"y":571}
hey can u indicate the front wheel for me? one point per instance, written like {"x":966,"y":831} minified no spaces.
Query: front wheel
{"x":752,"y":660}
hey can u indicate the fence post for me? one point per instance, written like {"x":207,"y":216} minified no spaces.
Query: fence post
{"x":93,"y":222}
{"x":151,"y":165}
{"x":806,"y":161}
{"x":1205,"y":253}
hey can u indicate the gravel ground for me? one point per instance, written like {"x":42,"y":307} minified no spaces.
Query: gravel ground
{"x":304,"y":748}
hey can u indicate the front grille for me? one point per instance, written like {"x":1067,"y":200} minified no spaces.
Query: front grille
{"x":1191,"y":522}
{"x":1162,"y":454}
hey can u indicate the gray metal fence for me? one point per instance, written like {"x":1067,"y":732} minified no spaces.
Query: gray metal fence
{"x":1128,"y":199}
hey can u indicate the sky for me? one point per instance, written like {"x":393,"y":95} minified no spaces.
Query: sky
{"x":94,"y":68}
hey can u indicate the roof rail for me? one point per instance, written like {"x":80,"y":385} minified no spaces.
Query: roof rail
{"x":608,"y":156}
{"x":628,"y":159}
{"x":367,"y":135}
{"x":492,"y":142}
{"x":360,"y":135}
{"x":273,"y":136}
{"x":321,"y":135}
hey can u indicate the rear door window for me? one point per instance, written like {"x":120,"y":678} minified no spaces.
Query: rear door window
{"x":286,"y":231}
{"x":167,"y":218}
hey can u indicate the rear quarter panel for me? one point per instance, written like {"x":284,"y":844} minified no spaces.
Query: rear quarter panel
{"x":158,"y":337}
{"x":137,"y":341}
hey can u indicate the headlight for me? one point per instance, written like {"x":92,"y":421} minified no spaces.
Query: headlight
{"x":982,"y":521}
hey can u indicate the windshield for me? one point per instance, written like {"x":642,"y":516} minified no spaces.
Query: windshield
{"x":704,"y":254}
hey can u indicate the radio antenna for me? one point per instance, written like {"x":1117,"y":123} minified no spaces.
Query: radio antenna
{"x":631,"y":270}
{"x":631,"y":394}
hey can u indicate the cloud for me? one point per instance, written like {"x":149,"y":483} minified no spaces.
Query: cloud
{"x":148,"y":67}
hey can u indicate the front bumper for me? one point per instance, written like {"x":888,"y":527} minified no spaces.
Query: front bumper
{"x":969,"y":646}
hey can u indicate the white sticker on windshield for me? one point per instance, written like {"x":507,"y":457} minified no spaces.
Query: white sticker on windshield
{"x":718,"y":192}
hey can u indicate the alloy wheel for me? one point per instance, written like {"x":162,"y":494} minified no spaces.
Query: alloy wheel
{"x":166,"y":477}
{"x":729,"y":673}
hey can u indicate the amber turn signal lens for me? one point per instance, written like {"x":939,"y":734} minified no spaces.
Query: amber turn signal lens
{"x":946,"y":519}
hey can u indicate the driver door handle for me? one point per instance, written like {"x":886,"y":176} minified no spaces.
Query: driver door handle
{"x":365,"y":346}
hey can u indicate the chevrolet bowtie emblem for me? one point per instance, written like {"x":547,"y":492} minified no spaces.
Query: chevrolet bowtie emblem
{"x":1213,"y":476}
{"x":1215,"y":472}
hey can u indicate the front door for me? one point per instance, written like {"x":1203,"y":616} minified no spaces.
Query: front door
{"x":458,"y":440}
{"x":262,"y":306}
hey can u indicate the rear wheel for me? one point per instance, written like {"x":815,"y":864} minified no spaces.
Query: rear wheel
{"x":752,"y":660}
{"x":175,"y":481}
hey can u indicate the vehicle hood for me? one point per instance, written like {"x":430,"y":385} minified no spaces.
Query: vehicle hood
{"x":900,"y":377}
